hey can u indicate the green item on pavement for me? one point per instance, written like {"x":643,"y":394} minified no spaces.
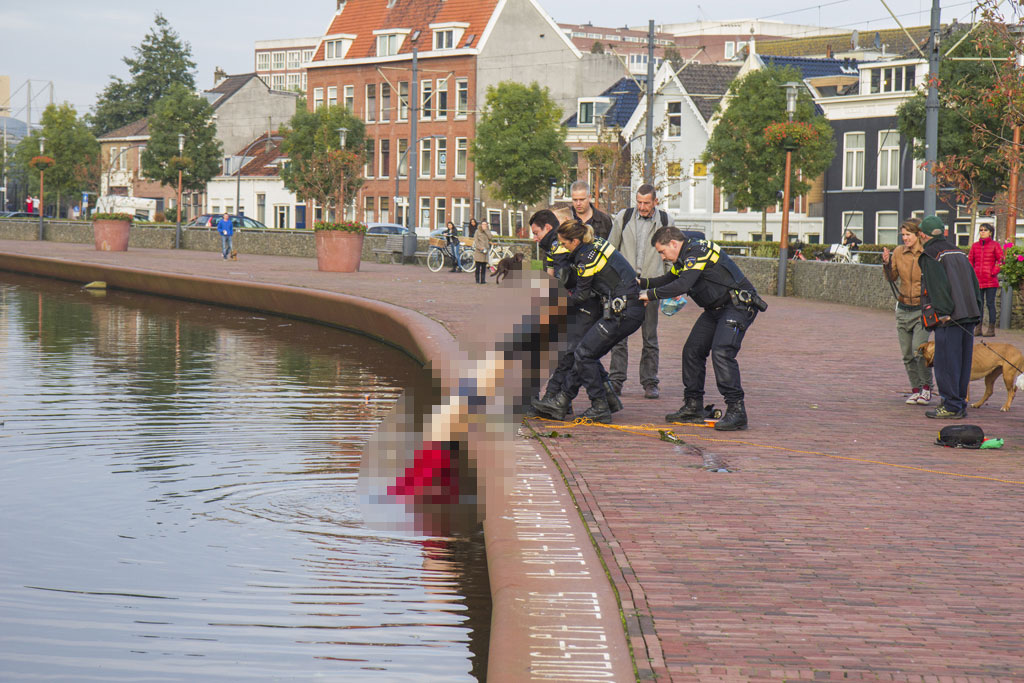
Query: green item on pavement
{"x":992,"y":443}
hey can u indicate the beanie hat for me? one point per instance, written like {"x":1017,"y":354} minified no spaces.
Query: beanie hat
{"x":932,"y":223}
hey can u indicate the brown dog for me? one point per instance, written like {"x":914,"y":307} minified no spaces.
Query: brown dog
{"x":507,"y":264}
{"x":985,"y":363}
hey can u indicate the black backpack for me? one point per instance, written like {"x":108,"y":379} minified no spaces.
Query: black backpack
{"x":629,"y":214}
{"x":961,"y":436}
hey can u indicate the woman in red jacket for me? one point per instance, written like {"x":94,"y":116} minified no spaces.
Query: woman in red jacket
{"x":987,"y":257}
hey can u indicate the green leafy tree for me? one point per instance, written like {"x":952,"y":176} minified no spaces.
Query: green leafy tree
{"x":75,"y":153}
{"x":597,"y":48}
{"x":520,"y":142}
{"x":182,"y":112}
{"x":744,"y":162}
{"x":974,"y":117}
{"x":160,"y":62}
{"x":319,"y":169}
{"x":673,"y":57}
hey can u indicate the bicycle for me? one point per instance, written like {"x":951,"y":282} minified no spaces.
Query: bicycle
{"x":439,"y":256}
{"x":496,"y":253}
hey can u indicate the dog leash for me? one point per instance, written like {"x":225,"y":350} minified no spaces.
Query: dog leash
{"x":982,"y":342}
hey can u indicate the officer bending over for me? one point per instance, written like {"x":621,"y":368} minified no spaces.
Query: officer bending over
{"x":602,"y":271}
{"x":579,"y":318}
{"x":715,"y":283}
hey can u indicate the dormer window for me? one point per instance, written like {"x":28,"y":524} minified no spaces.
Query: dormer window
{"x":448,"y":34}
{"x":336,"y":48}
{"x":388,"y":44}
{"x":443,"y":40}
{"x":586,"y":115}
{"x":590,"y":110}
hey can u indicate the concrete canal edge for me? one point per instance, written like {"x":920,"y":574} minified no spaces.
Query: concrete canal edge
{"x":555,"y":615}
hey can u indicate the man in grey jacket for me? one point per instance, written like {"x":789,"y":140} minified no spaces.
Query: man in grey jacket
{"x":631,"y":233}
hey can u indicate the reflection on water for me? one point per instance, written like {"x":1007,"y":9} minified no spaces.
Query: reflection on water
{"x":177,"y":490}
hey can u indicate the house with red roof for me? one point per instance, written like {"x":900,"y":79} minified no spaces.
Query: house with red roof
{"x":257,"y":186}
{"x":364,"y":61}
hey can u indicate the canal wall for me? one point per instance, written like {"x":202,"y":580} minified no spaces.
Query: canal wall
{"x":555,"y":615}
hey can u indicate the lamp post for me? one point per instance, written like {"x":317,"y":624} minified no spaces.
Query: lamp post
{"x":42,"y":143}
{"x":342,"y":139}
{"x":792,"y":89}
{"x":1017,"y":32}
{"x":414,"y":145}
{"x":181,"y":152}
{"x":241,"y":163}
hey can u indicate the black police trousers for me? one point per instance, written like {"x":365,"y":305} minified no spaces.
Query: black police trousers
{"x":596,"y":342}
{"x":579,"y":320}
{"x":718,"y":333}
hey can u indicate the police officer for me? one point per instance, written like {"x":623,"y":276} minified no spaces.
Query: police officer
{"x":602,"y":271}
{"x":580,"y":317}
{"x":715,"y":283}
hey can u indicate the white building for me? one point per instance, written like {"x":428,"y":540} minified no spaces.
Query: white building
{"x":257,"y":189}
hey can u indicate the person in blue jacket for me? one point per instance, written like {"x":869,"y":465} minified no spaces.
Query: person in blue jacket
{"x":226,"y":231}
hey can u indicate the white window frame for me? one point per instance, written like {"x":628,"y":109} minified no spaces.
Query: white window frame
{"x":287,"y":214}
{"x":318,"y":98}
{"x":674,"y":118}
{"x":888,"y":157}
{"x":337,"y":48}
{"x":384,"y":164}
{"x":278,"y":61}
{"x":383,"y":210}
{"x":403,"y":158}
{"x":371,"y":158}
{"x":332,"y":96}
{"x":857,"y":154}
{"x":385,"y":103}
{"x":277,"y":82}
{"x":441,"y":158}
{"x":369,"y":209}
{"x":699,"y":188}
{"x":294,"y":81}
{"x":426,"y":100}
{"x":460,"y":210}
{"x":585,"y":113}
{"x":349,"y":95}
{"x":307,"y":55}
{"x":263,"y":61}
{"x":389,"y":42}
{"x":440,"y":212}
{"x":461,"y":98}
{"x":920,"y":175}
{"x":294,"y":59}
{"x":894,"y":218}
{"x":425,"y":152}
{"x":444,"y":39}
{"x":441,"y":99}
{"x":729,"y":49}
{"x":461,"y":157}
{"x":370,"y":103}
{"x":851,"y":223}
{"x":424,"y":219}
{"x":403,"y":101}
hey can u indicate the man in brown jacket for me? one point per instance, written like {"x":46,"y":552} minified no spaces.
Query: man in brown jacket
{"x":902,"y":264}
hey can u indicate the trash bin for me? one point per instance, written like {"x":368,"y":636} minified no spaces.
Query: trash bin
{"x":409,"y":241}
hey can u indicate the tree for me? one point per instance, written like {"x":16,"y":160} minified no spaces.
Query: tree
{"x":319,"y":169}
{"x":520,"y":142}
{"x":597,"y":48}
{"x":974,"y":124}
{"x":160,"y":62}
{"x":673,"y":57}
{"x":182,"y":112}
{"x":75,"y":152}
{"x":743,"y":161}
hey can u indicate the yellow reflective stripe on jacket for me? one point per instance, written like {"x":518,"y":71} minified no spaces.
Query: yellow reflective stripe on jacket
{"x":698,"y":263}
{"x":594,"y":266}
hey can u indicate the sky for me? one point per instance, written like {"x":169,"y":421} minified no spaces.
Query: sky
{"x":77,"y":46}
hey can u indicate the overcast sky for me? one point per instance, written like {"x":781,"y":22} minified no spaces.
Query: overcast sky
{"x":79,"y":45}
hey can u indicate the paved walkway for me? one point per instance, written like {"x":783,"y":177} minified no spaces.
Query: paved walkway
{"x":840,"y":544}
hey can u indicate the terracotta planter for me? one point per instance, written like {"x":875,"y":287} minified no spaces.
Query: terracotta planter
{"x":111,"y":235}
{"x":338,"y":251}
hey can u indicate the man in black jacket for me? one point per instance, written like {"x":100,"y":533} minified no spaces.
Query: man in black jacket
{"x":715,"y":283}
{"x":950,"y":286}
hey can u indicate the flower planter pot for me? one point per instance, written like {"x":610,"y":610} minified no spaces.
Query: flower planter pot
{"x":111,"y":235}
{"x":338,"y":251}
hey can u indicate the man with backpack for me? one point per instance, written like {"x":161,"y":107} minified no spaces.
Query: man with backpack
{"x":631,"y":234}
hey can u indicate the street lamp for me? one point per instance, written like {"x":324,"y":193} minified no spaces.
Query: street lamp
{"x":415,"y":145}
{"x":1017,"y":31}
{"x":342,"y":138}
{"x":181,"y":153}
{"x":42,"y":142}
{"x":792,"y":90}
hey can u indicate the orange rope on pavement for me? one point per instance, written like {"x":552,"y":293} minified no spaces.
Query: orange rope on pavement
{"x":647,"y":429}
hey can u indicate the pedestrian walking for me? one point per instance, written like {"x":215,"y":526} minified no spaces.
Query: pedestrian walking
{"x":481,"y":246}
{"x":226,"y":230}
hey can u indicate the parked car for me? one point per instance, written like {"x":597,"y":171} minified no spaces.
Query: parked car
{"x":209,"y":220}
{"x":20,"y":214}
{"x":386,"y":229}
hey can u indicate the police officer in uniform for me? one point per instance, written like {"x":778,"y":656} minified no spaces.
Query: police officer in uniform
{"x":602,"y":271}
{"x":715,"y":283}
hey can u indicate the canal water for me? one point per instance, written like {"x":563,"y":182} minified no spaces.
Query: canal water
{"x":178,"y":502}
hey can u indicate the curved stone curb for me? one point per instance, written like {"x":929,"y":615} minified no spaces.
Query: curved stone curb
{"x":555,"y":616}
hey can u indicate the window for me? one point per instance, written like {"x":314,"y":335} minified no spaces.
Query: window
{"x":382,"y":210}
{"x":294,"y":81}
{"x":385,"y":102}
{"x":282,"y":216}
{"x":403,"y":158}
{"x":675,"y":119}
{"x":919,"y":174}
{"x":261,"y":208}
{"x":302,"y":87}
{"x":444,"y":40}
{"x":461,"y":98}
{"x":440,"y":212}
{"x":586,"y":114}
{"x":442,"y":158}
{"x":730,"y":49}
{"x":756,"y":237}
{"x":442,"y":98}
{"x":853,"y":161}
{"x":307,"y":55}
{"x":699,"y":185}
{"x":336,"y":49}
{"x":277,"y":82}
{"x":494,"y":219}
{"x":369,"y":214}
{"x":729,"y":201}
{"x":371,"y":147}
{"x":403,"y":100}
{"x":426,"y":100}
{"x":893,"y":79}
{"x":424,"y":170}
{"x":887,"y":227}
{"x":402,"y":210}
{"x":425,"y":211}
{"x":388,"y":45}
{"x":385,"y":159}
{"x":853,"y":221}
{"x":294,"y":59}
{"x":371,"y":102}
{"x":460,"y":210}
{"x":263,"y":61}
{"x":888,"y":159}
{"x":461,"y":156}
{"x":332,"y":96}
{"x":349,"y":93}
{"x":278,"y":60}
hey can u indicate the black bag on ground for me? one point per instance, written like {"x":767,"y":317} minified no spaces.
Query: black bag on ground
{"x":961,"y":436}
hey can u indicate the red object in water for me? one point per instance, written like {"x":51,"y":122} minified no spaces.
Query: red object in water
{"x":433,"y":476}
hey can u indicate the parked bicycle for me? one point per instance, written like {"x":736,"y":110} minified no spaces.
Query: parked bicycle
{"x":442,"y":255}
{"x":497,"y":252}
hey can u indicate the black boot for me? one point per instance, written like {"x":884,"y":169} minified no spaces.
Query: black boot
{"x":614,"y":402}
{"x":735,"y":418}
{"x":598,"y":410}
{"x":692,"y":411}
{"x":555,"y":408}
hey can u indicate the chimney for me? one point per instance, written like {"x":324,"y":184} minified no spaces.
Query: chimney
{"x":828,"y":51}
{"x":218,"y":75}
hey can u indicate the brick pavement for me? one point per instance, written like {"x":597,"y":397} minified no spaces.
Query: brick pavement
{"x":842,"y":544}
